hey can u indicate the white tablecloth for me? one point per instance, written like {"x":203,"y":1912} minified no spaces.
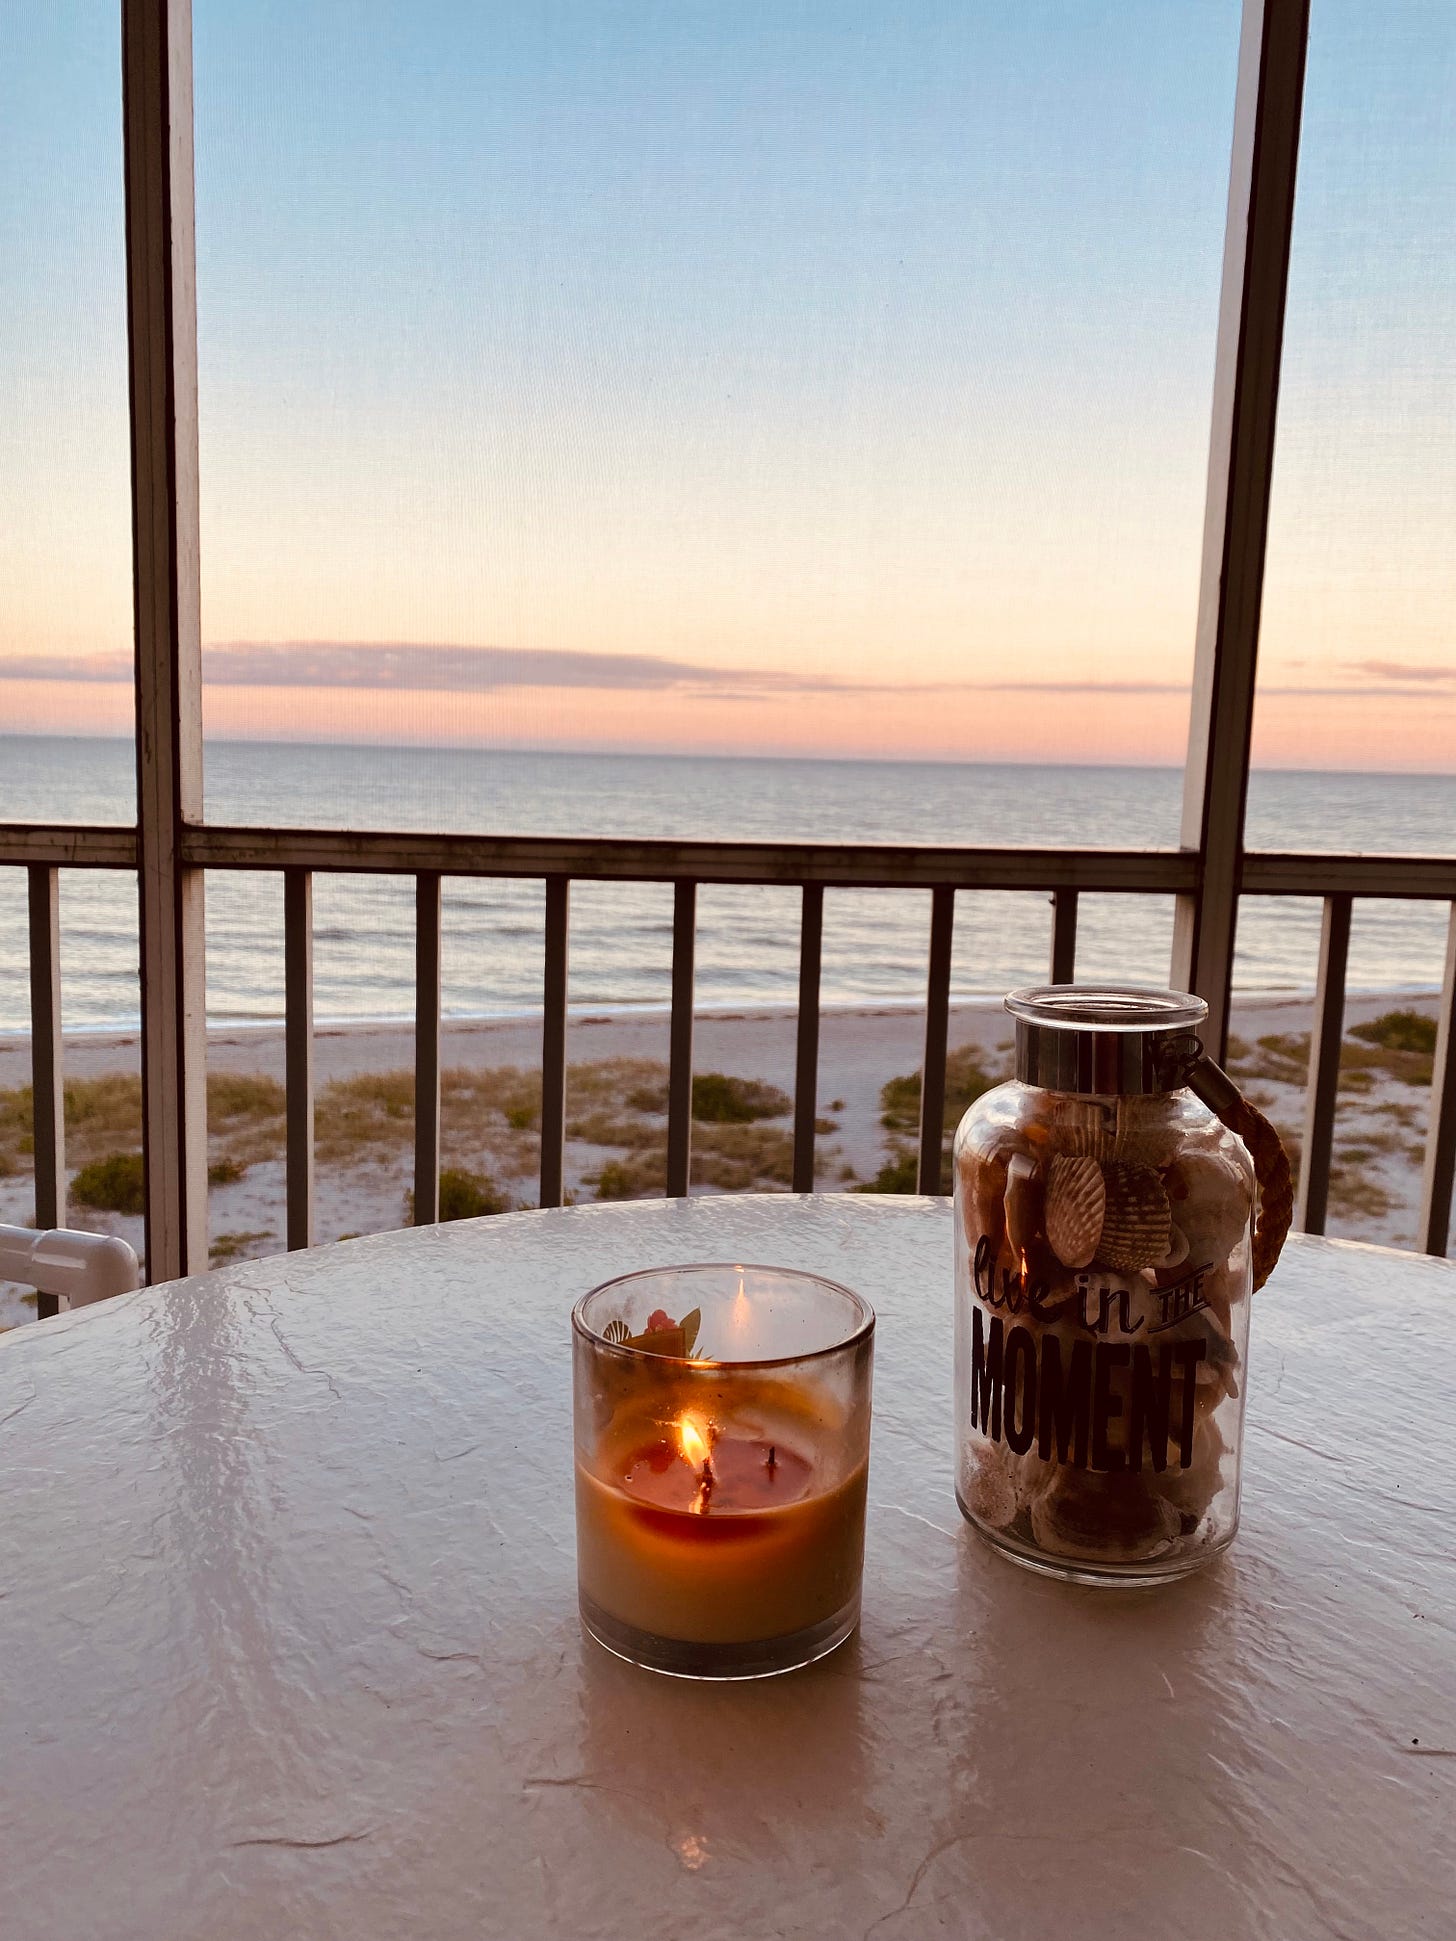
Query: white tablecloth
{"x":289,"y":1644}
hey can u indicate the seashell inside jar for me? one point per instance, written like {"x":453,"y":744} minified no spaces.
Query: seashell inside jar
{"x":1103,"y":1272}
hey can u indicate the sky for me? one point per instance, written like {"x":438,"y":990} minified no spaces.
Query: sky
{"x":817,"y":378}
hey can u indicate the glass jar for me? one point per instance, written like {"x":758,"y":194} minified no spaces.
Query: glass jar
{"x":1103,"y":1273}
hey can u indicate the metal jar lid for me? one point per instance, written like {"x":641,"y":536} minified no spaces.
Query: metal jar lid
{"x":1105,"y":1038}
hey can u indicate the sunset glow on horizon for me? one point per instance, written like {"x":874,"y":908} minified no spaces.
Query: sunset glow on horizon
{"x":798,"y":380}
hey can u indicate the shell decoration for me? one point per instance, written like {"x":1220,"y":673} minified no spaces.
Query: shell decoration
{"x":1087,"y":1129}
{"x":1137,"y":1224}
{"x":1103,"y":1518}
{"x":1023,"y":1202}
{"x":1076,"y":1205}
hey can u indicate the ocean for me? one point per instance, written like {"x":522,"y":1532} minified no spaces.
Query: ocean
{"x":875,"y":941}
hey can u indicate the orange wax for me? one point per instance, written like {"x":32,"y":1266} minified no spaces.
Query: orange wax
{"x":748,"y":1537}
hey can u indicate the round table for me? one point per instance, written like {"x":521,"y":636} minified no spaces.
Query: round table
{"x":289,"y":1643}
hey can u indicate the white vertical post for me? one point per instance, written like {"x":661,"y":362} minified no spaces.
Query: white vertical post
{"x":1236,"y":515}
{"x":156,"y":54}
{"x":48,"y":1117}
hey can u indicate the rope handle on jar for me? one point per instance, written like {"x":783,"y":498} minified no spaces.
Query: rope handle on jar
{"x":1271,"y":1162}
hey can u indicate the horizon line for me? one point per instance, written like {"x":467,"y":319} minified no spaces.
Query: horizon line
{"x":698,"y":755}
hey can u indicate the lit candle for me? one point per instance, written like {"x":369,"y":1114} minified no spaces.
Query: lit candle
{"x":720,"y":1505}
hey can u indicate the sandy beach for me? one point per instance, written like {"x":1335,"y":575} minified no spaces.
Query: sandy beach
{"x":616,"y":1092}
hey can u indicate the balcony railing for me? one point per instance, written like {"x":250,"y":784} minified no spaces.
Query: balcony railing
{"x":297,"y":854}
{"x":171,"y":846}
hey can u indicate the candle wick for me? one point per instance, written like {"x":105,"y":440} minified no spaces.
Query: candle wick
{"x":773,"y":1456}
{"x":705,"y":1486}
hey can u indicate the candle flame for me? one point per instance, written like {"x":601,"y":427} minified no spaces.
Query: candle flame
{"x":1025,"y":1270}
{"x":693,"y":1441}
{"x":741,"y":1314}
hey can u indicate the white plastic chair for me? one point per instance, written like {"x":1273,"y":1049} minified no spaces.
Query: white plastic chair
{"x":78,"y":1268}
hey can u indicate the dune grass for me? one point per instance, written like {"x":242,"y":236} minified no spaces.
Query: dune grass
{"x":465,"y":1195}
{"x":617,"y":1123}
{"x":966,"y":1078}
{"x":116,"y":1184}
{"x":1411,"y":1031}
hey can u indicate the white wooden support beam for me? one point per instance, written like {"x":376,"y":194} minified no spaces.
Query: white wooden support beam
{"x":156,"y":55}
{"x":48,"y":1117}
{"x":1236,"y":515}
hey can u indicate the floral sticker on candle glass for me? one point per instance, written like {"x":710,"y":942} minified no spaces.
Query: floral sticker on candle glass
{"x":721,"y":1467}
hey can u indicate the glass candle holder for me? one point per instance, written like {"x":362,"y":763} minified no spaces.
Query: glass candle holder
{"x":722,"y":1418}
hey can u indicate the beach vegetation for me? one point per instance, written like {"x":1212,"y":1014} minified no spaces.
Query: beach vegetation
{"x":638,"y":1084}
{"x":1282,"y":1056}
{"x":102,"y":1110}
{"x":1399,"y":1031}
{"x":741,"y":1158}
{"x":502,"y":1095}
{"x":225,"y":1172}
{"x":965,"y":1080}
{"x":898,"y":1174}
{"x":1362,"y":1060}
{"x":366,"y":1109}
{"x":719,"y":1099}
{"x":115,"y":1184}
{"x":1391,"y":1046}
{"x":1402,"y":1111}
{"x":608,"y":1126}
{"x":243,"y":1095}
{"x":734,"y":1158}
{"x":1355,"y":1194}
{"x":465,"y":1196}
{"x":234,"y":1246}
{"x":628,"y":1179}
